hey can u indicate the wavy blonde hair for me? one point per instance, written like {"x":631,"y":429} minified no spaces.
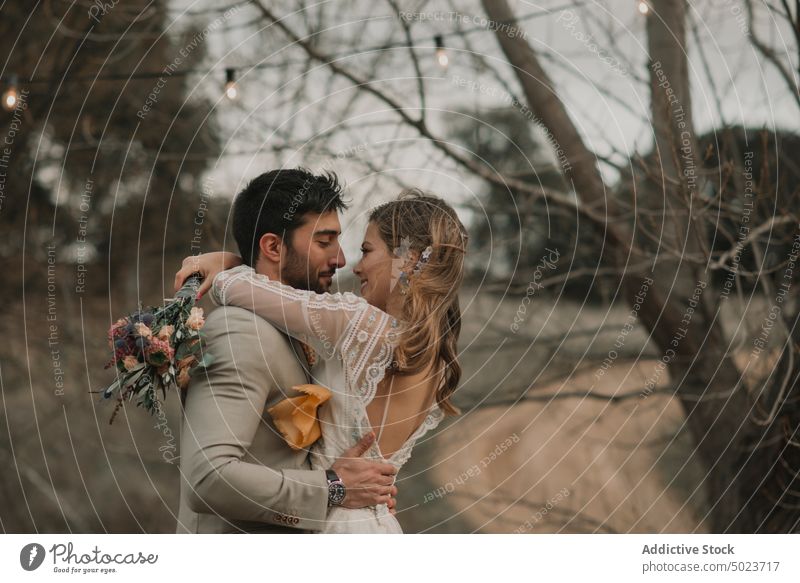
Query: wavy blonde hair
{"x":430,"y":309}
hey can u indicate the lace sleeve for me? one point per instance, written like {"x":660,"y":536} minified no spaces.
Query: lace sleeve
{"x":340,"y":325}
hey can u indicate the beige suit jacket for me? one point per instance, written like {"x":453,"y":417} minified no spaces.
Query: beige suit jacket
{"x":237,"y":473}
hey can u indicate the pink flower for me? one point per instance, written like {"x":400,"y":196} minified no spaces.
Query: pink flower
{"x":184,"y":366}
{"x":195,"y":320}
{"x":158,"y":352}
{"x":183,"y":378}
{"x":165,"y":333}
{"x":187,"y":362}
{"x":117,"y":331}
{"x":130,"y":362}
{"x":142,"y":330}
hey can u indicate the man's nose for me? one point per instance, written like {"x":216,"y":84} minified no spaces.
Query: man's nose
{"x":339,"y":260}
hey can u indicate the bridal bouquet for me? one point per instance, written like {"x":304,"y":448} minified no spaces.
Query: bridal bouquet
{"x":156,"y":349}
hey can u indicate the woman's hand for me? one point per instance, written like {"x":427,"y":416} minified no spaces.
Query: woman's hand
{"x":208,"y":265}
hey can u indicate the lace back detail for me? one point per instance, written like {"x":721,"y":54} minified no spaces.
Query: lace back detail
{"x":402,"y":455}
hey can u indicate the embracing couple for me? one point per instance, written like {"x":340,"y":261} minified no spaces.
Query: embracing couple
{"x":312,"y":401}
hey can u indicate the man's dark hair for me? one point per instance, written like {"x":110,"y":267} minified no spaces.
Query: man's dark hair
{"x":277,"y":201}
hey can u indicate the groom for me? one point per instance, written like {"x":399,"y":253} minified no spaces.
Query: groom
{"x":237,"y":473}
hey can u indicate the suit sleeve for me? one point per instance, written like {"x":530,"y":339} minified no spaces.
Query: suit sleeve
{"x":222,"y":413}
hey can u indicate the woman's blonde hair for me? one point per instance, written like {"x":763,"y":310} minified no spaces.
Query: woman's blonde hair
{"x":430,"y":311}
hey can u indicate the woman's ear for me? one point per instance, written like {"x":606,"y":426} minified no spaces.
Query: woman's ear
{"x":270,"y":246}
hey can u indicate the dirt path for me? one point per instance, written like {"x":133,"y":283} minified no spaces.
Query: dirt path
{"x":568,"y":465}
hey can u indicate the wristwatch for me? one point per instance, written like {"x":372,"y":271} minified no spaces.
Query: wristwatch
{"x":336,"y":489}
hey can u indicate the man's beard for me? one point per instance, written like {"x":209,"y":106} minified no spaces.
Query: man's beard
{"x":297,"y":273}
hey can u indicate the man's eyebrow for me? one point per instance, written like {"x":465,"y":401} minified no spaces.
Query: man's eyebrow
{"x":324,"y":232}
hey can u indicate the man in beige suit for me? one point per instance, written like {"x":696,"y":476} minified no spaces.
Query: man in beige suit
{"x":237,"y":473}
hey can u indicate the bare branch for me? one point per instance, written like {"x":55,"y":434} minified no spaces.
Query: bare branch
{"x":473,"y":166}
{"x":771,"y":56}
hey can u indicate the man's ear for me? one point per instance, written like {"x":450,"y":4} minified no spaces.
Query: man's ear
{"x":270,"y":247}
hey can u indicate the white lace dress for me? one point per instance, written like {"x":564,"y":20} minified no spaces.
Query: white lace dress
{"x":355,"y":342}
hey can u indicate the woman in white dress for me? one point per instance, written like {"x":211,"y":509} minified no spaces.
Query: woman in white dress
{"x":388,"y":357}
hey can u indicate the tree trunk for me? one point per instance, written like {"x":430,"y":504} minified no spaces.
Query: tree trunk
{"x":705,"y":379}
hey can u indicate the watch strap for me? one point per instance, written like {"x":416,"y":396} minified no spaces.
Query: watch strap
{"x":331,"y":476}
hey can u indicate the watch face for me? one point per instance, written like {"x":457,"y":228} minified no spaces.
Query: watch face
{"x":335,"y":493}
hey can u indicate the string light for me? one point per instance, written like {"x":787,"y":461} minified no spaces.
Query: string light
{"x":11,"y":95}
{"x":231,"y":90}
{"x":644,"y":7}
{"x":441,"y":52}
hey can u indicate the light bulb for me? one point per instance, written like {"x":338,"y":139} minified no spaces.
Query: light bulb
{"x":10,"y":98}
{"x":231,"y":89}
{"x":11,"y":95}
{"x":441,"y":53}
{"x":644,"y":7}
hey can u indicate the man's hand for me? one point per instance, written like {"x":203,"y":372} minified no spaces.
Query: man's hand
{"x":207,"y":265}
{"x":366,"y":482}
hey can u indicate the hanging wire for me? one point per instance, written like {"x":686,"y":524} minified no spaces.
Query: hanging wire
{"x":262,"y":65}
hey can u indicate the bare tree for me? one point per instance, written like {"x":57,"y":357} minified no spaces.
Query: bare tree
{"x":661,"y":233}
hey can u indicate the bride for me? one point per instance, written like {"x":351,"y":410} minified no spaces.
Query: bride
{"x":389,"y":357}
